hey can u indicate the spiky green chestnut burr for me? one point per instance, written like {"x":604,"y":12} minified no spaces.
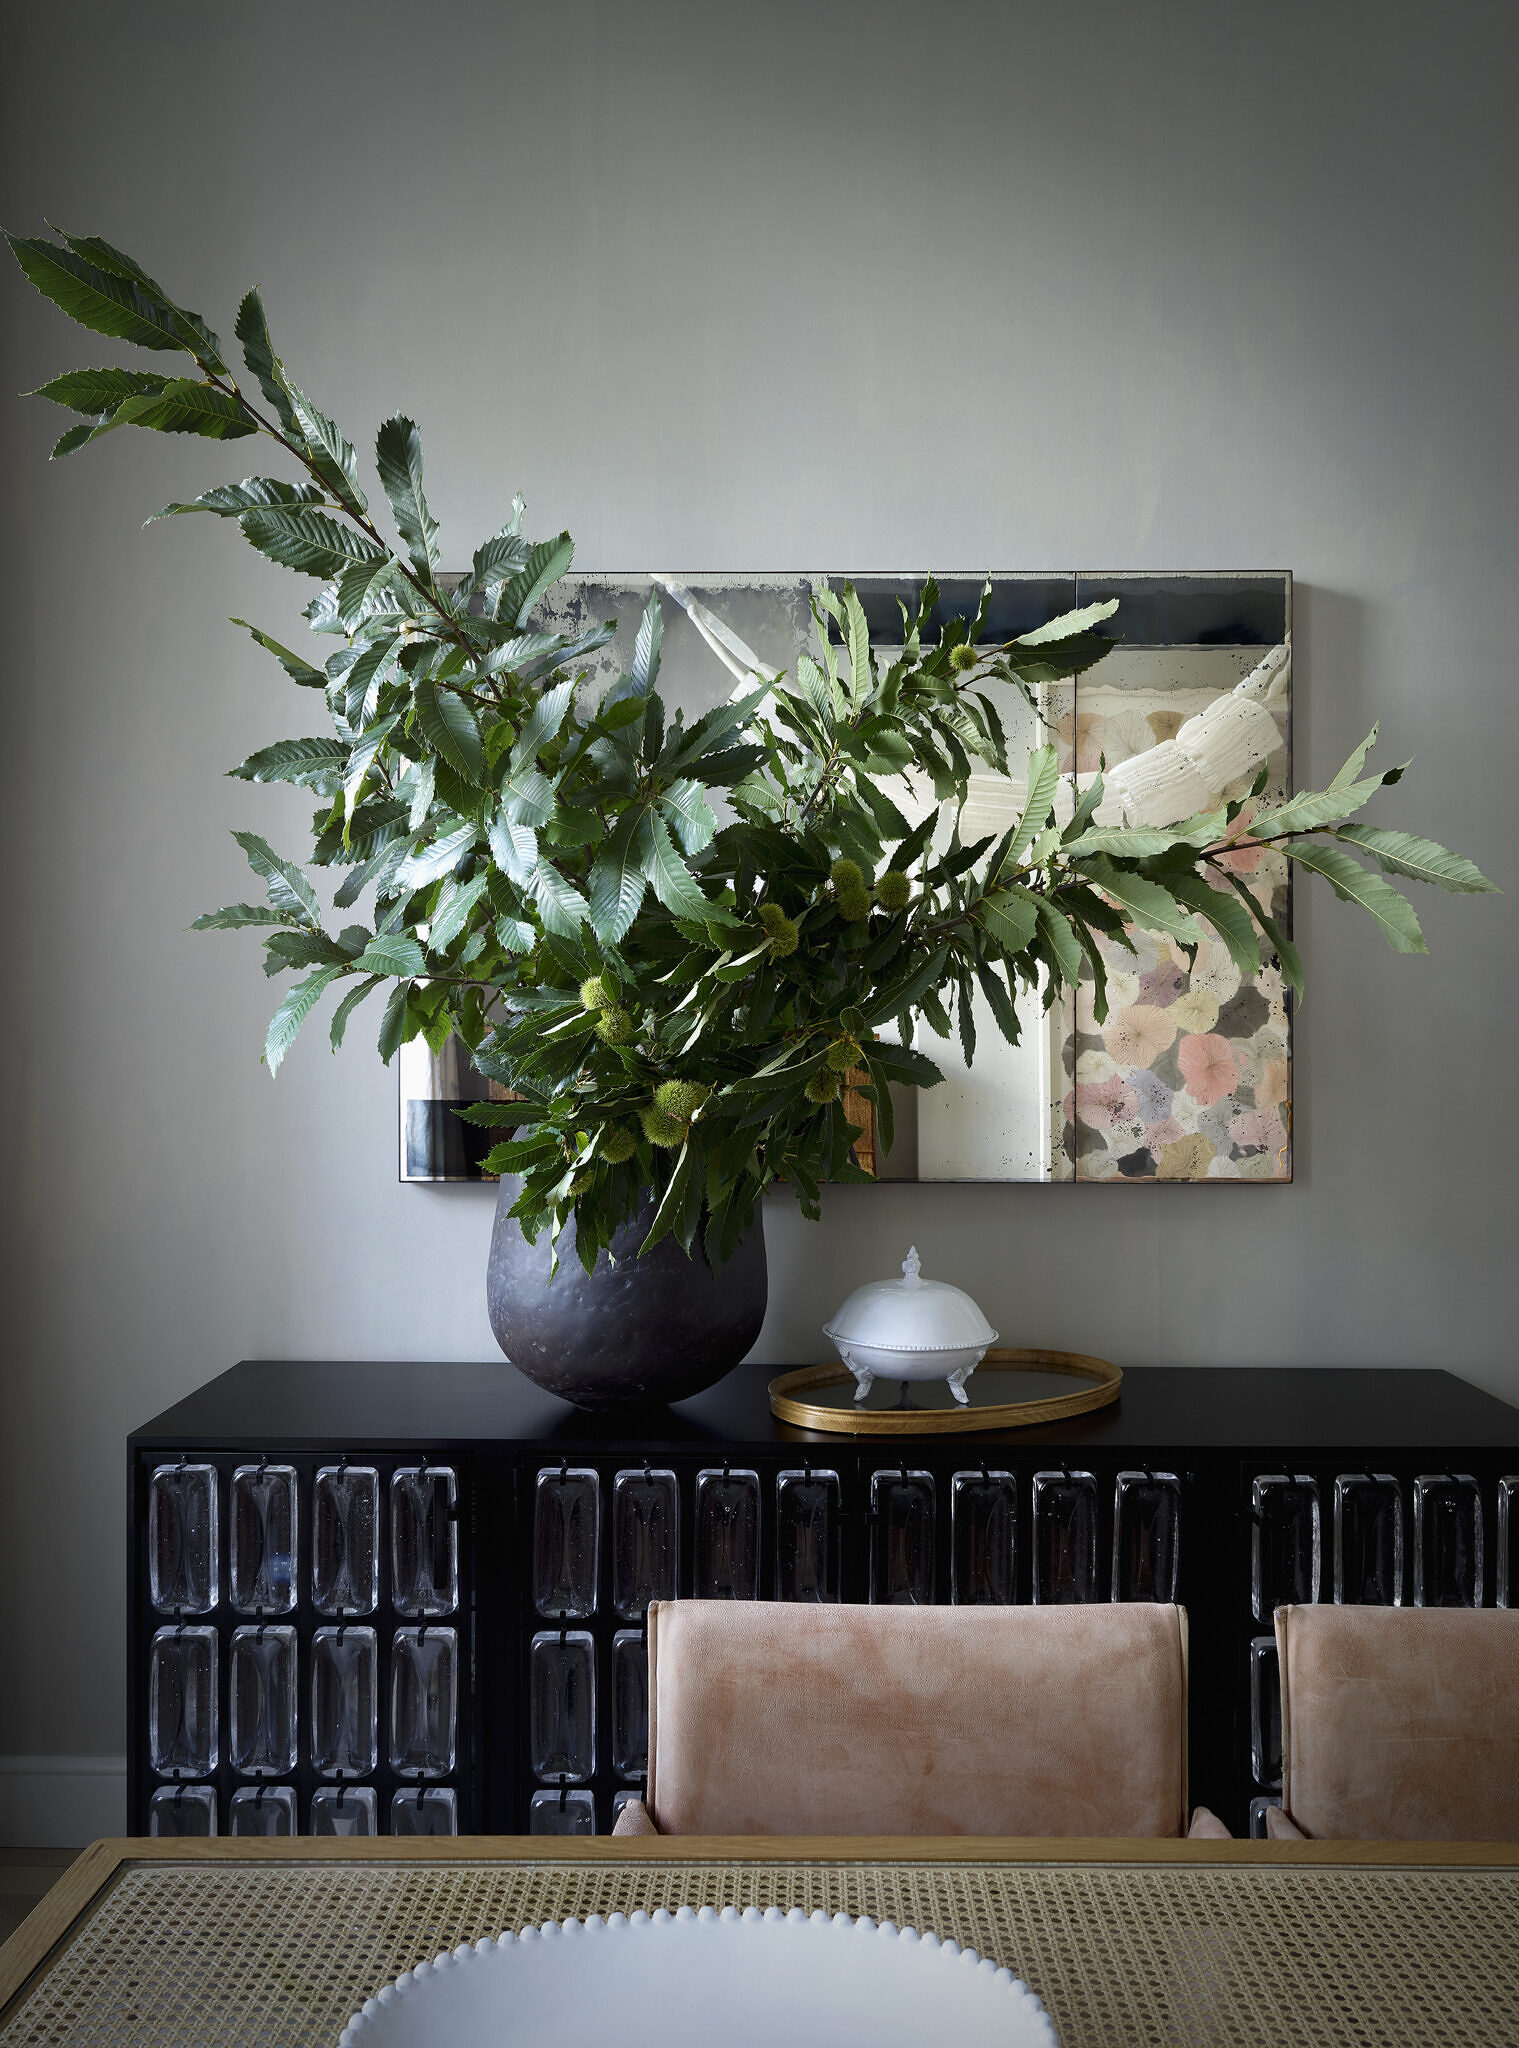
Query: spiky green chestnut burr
{"x":681,"y":1099}
{"x":854,"y":905}
{"x":963,"y":658}
{"x":617,"y":1143}
{"x":824,"y":1086}
{"x":784,"y":935}
{"x":893,"y":891}
{"x":842,"y":1055}
{"x":660,"y":1129}
{"x":846,"y":874}
{"x":614,"y":1026}
{"x":595,"y":995}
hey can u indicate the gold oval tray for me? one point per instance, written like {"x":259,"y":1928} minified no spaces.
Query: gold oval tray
{"x":787,"y":1400}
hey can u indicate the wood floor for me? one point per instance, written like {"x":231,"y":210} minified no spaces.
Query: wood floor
{"x":25,"y":1874}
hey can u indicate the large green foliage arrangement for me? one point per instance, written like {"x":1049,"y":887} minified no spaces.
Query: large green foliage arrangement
{"x":670,"y":941}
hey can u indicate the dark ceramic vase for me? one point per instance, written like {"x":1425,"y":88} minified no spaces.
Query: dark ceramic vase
{"x":642,"y":1332}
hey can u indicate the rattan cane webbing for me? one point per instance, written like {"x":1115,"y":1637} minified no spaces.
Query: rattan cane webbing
{"x":1122,"y":1956}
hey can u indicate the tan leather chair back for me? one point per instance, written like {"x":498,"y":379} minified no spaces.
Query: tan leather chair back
{"x":768,"y":1718}
{"x":1400,"y":1724}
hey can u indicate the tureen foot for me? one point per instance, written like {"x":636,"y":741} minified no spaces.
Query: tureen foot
{"x":957,"y":1384}
{"x":866,"y":1380}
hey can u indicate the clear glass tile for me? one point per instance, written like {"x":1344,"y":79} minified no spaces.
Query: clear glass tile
{"x":902,"y":1539}
{"x":1258,"y":1811}
{"x":1447,"y":1540}
{"x":430,"y":1810}
{"x":345,"y":1551}
{"x":1368,"y":1540}
{"x":182,"y":1546}
{"x":182,"y":1811}
{"x":630,"y":1703}
{"x":344,"y":1810}
{"x":566,"y":1542}
{"x":561,"y":1813}
{"x":562,"y":1705}
{"x":182,"y":1702}
{"x":344,"y":1684}
{"x":1065,"y":1538}
{"x":1265,"y":1712}
{"x":262,"y":1811}
{"x":424,"y":1700}
{"x":1286,"y":1542}
{"x":1508,"y":1541}
{"x":261,"y":1710}
{"x":424,"y":1540}
{"x":807,"y":1549}
{"x":263,"y":1569}
{"x":984,"y":1518}
{"x":1146,"y":1535}
{"x":727,"y":1540}
{"x":645,"y":1540}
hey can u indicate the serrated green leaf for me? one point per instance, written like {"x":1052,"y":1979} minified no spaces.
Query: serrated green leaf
{"x":651,"y":632}
{"x":307,"y":541}
{"x":252,"y":330}
{"x":195,"y":335}
{"x":527,"y":796}
{"x":685,"y":807}
{"x":514,"y":848}
{"x":99,"y":391}
{"x":1352,"y":768}
{"x":287,"y":949}
{"x":672,"y":881}
{"x":455,"y":913}
{"x":449,"y":727}
{"x":329,"y":450}
{"x":392,"y":953}
{"x":545,"y":564}
{"x":1043,"y":781}
{"x":298,"y":671}
{"x":1393,"y":914}
{"x":349,"y":1004}
{"x":230,"y":501}
{"x":393,"y":1033}
{"x":361,"y":758}
{"x":1145,"y":903}
{"x":302,"y":761}
{"x":1010,"y":917}
{"x":1228,"y":917}
{"x":398,"y":457}
{"x":672,"y":1200}
{"x":618,"y":881}
{"x":439,"y":858}
{"x":857,"y":640}
{"x":560,"y":904}
{"x":1421,"y":860}
{"x":1060,"y":938}
{"x":104,"y":302}
{"x":185,"y":406}
{"x":236,"y":915}
{"x":1068,"y":624}
{"x":293,"y":1012}
{"x":1136,"y":842}
{"x":76,"y":437}
{"x":1316,"y":808}
{"x":288,"y":888}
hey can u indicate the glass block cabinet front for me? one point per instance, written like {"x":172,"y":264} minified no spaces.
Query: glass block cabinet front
{"x":422,"y":1639}
{"x":307,"y":1646}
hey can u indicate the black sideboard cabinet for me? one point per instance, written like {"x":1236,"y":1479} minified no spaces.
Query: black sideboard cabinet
{"x":409,"y":1597}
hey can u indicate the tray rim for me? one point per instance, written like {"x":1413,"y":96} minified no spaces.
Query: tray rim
{"x":1104,"y":1383}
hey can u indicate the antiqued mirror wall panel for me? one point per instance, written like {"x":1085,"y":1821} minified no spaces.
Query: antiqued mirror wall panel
{"x":1188,"y":1077}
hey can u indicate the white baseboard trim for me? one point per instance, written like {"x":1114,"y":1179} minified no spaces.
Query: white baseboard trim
{"x":61,"y":1802}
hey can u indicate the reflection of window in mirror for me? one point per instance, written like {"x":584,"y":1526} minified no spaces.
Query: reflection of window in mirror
{"x":1188,"y":1078}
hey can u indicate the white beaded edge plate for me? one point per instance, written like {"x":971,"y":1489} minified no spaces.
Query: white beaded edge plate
{"x":664,"y":1977}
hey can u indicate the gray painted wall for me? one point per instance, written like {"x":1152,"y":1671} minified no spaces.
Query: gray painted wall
{"x":898,"y":285}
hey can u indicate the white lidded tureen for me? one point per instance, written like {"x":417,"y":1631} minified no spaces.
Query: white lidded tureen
{"x":911,"y":1329}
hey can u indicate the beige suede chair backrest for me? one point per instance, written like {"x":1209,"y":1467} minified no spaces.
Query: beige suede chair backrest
{"x":1400,"y":1724}
{"x":768,"y":1718}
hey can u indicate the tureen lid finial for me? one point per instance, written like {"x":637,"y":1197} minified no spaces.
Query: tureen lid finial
{"x":912,"y":1265}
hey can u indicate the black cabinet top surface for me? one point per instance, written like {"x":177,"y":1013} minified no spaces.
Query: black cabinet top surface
{"x":340,"y":1405}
